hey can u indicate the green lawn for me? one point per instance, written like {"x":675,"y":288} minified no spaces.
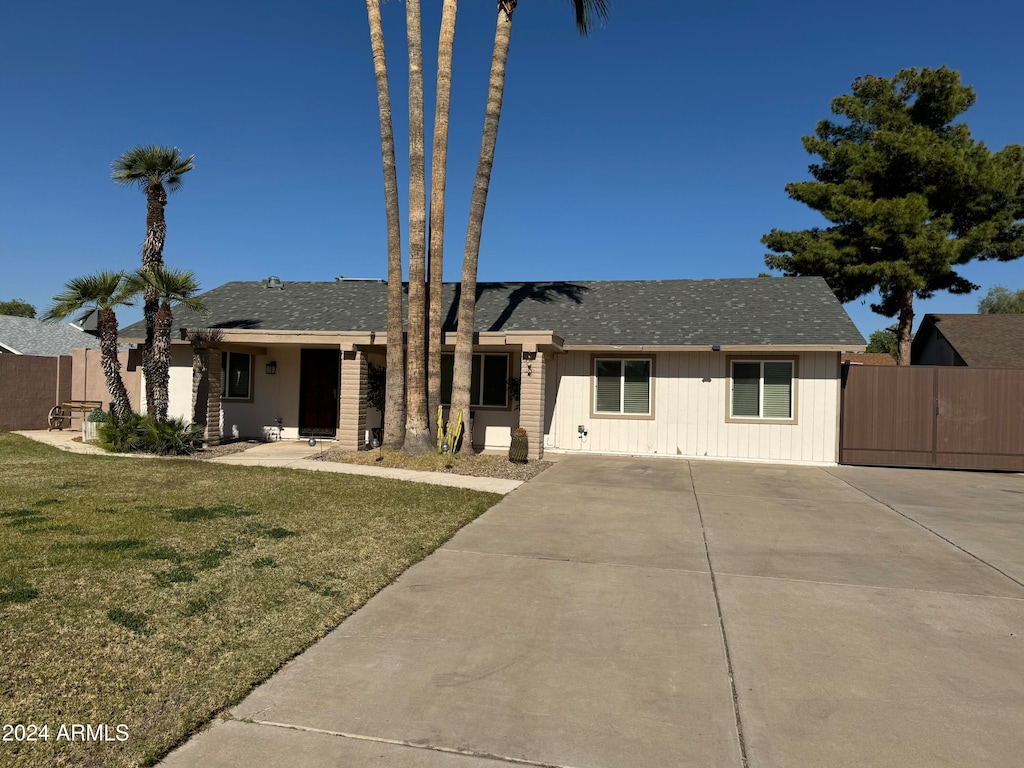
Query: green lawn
{"x":154,"y":593}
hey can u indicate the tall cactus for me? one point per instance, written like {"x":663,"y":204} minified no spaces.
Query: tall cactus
{"x":449,"y":435}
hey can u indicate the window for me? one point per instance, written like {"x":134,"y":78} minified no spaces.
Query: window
{"x":236,"y":382}
{"x":762,"y":389}
{"x":488,"y":381}
{"x":622,"y":386}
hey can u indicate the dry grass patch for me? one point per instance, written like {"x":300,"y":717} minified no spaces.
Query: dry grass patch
{"x":481,"y":465}
{"x":156,"y":593}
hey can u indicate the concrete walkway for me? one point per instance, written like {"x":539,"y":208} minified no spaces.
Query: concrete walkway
{"x":297,"y":454}
{"x":632,"y":612}
{"x":292,"y":454}
{"x":63,"y":439}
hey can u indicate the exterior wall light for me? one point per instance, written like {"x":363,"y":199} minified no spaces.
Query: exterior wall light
{"x":271,"y":368}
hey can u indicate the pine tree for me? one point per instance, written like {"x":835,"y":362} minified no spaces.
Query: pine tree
{"x":909,"y":195}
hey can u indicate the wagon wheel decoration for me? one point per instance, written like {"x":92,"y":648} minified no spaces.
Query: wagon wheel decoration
{"x":57,"y":417}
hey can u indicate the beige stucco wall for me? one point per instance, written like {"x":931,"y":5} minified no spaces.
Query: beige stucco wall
{"x":89,"y":383}
{"x":493,"y":428}
{"x":691,"y":396}
{"x":273,"y":396}
{"x":179,"y":392}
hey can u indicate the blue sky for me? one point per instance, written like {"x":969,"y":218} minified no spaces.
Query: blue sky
{"x":657,"y":148}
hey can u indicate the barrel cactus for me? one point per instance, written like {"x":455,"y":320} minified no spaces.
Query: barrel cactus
{"x":518,"y":451}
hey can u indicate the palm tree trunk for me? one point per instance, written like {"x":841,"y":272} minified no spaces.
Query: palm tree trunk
{"x":438,"y":181}
{"x":478,"y":202}
{"x":905,"y":328}
{"x":152,"y":256}
{"x":417,"y":437}
{"x":107,"y":326}
{"x":394,"y":422}
{"x":160,"y":362}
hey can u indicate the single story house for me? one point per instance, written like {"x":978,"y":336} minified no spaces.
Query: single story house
{"x":977,"y":341}
{"x":28,"y":336}
{"x":729,"y":369}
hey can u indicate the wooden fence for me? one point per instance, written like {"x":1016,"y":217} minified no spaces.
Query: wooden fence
{"x":933,"y":416}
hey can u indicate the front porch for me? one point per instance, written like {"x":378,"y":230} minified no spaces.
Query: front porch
{"x":272,"y":386}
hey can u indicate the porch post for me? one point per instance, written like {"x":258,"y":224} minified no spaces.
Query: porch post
{"x":531,"y":401}
{"x":200,"y":383}
{"x":352,"y":402}
{"x":214,"y":376}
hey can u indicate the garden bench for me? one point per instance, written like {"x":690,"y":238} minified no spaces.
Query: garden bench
{"x":61,"y":413}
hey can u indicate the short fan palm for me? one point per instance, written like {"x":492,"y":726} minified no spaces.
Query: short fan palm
{"x":103,"y":292}
{"x":170,"y":286}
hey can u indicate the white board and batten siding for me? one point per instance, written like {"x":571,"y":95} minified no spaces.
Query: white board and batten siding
{"x":691,"y":398}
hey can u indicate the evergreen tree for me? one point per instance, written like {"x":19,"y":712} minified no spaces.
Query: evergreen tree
{"x":909,"y":195}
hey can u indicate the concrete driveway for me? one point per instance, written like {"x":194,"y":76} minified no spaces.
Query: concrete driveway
{"x":630,"y":612}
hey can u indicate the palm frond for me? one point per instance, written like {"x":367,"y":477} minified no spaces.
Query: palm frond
{"x":177,"y":286}
{"x":588,"y":12}
{"x":146,"y":166}
{"x":104,"y":290}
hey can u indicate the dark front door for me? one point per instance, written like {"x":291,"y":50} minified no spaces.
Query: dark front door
{"x":318,"y":392}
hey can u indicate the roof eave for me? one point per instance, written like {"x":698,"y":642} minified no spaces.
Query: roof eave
{"x":352,"y":339}
{"x":721,"y":347}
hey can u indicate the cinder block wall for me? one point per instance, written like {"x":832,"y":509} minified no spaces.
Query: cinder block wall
{"x":29,"y":387}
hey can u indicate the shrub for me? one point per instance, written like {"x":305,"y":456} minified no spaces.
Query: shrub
{"x":97,"y":417}
{"x":144,"y":434}
{"x":173,"y":437}
{"x":121,"y":435}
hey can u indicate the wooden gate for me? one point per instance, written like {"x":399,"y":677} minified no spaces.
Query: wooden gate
{"x":932,"y":416}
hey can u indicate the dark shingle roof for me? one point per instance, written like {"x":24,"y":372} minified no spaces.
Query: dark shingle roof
{"x":983,"y":341}
{"x":27,"y":336}
{"x":784,"y":311}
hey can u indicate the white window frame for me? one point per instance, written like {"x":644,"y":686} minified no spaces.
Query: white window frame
{"x":760,"y":389}
{"x":226,"y":367}
{"x":621,"y":413}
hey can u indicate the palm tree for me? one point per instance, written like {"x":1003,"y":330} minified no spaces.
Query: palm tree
{"x":156,"y":171}
{"x":170,"y":286}
{"x":102,"y":292}
{"x":586,"y":12}
{"x":417,"y":435}
{"x":438,"y":177}
{"x":394,"y":423}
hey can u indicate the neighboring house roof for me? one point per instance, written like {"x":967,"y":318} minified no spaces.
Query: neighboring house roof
{"x":981,"y":341}
{"x":28,"y":336}
{"x":869,"y":358}
{"x":780,"y":311}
